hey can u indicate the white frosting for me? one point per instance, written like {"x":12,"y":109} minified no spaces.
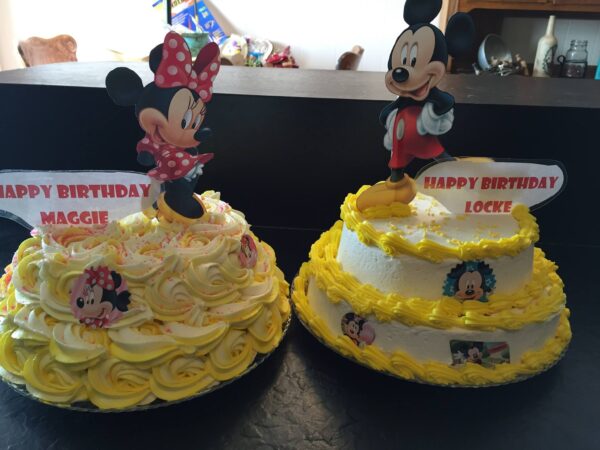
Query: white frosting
{"x":410,"y":276}
{"x":430,"y":344}
{"x":432,"y":221}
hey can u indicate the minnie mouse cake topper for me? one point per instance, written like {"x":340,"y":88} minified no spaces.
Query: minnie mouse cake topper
{"x":416,"y":65}
{"x":171,"y":110}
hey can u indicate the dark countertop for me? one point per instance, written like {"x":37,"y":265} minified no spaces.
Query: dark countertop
{"x":306,"y":396}
{"x":334,"y":84}
{"x":288,"y":162}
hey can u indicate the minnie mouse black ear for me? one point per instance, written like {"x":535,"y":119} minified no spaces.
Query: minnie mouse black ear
{"x":421,"y":11}
{"x":155,"y":58}
{"x":124,"y":86}
{"x":460,"y":34}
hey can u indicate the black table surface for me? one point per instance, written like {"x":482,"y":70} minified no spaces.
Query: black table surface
{"x":306,"y":396}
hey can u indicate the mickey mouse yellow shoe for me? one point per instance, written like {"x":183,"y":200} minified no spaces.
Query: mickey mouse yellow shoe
{"x":387,"y":192}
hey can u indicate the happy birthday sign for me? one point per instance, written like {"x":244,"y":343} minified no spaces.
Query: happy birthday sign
{"x":74,"y":198}
{"x":491,"y":187}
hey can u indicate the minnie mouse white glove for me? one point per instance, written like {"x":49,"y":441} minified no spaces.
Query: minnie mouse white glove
{"x":430,"y":123}
{"x":196,"y":171}
{"x":389,"y":135}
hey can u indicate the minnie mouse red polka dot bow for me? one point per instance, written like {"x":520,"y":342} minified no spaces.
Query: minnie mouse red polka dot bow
{"x":100,"y":276}
{"x":176,"y":67}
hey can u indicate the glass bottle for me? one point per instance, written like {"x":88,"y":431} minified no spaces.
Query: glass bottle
{"x":546,"y":49}
{"x":574,"y":62}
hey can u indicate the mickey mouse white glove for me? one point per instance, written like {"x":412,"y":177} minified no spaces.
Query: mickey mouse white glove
{"x":430,"y":123}
{"x":196,"y":170}
{"x":389,"y":135}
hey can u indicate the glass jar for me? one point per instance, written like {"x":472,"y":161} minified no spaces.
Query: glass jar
{"x":574,"y":63}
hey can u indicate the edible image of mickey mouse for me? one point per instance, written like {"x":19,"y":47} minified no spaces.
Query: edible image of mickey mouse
{"x":475,"y":354}
{"x":99,"y":297}
{"x":357,"y":329}
{"x":468,"y":351}
{"x":171,"y":110}
{"x":470,"y":280}
{"x":416,"y":65}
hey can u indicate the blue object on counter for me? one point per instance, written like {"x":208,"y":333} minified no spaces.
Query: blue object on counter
{"x":195,"y":16}
{"x":597,"y":77}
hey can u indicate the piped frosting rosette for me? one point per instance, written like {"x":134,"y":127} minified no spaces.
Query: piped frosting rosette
{"x":163,"y":311}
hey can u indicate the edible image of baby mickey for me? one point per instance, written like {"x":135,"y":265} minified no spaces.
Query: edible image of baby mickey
{"x":99,"y":297}
{"x":470,"y":280}
{"x":357,"y":329}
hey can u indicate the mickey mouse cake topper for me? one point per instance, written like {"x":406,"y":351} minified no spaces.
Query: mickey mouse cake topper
{"x":171,"y":110}
{"x":416,"y":65}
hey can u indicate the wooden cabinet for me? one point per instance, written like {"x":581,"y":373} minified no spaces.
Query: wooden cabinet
{"x":452,"y":6}
{"x":576,"y":2}
{"x":489,"y":17}
{"x":511,"y":1}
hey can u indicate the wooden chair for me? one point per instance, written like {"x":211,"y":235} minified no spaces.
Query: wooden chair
{"x":350,"y":60}
{"x":36,"y":51}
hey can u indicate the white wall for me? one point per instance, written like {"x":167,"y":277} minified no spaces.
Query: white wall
{"x":317,"y":30}
{"x":131,"y":26}
{"x":522,"y":34}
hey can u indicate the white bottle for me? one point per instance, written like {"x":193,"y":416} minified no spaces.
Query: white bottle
{"x":545,"y":51}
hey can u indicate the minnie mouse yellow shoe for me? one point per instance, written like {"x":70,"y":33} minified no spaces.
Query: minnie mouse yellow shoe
{"x":165,"y":212}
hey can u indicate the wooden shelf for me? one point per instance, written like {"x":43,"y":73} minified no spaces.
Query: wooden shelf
{"x":330,"y":84}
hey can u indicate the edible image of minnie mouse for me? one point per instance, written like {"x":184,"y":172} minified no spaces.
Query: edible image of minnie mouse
{"x":357,"y":329}
{"x":99,"y":297}
{"x":171,"y":110}
{"x":248,"y":255}
{"x":416,"y":65}
{"x":470,"y":280}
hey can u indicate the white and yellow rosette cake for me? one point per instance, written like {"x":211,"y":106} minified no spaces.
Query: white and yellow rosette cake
{"x":139,"y":310}
{"x":430,"y":296}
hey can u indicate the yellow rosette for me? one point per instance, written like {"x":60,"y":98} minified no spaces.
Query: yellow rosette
{"x":180,"y":377}
{"x":52,"y":381}
{"x":145,"y":345}
{"x":12,"y":359}
{"x":266,"y":330}
{"x":170,"y":297}
{"x":117,"y":384}
{"x":218,"y":281}
{"x":25,"y":277}
{"x":237,"y":315}
{"x":9,"y":305}
{"x":203,"y":339}
{"x":232,"y":356}
{"x":76,"y":344}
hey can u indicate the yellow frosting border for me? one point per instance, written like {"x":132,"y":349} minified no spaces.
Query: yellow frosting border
{"x":402,"y":365}
{"x":394,"y":244}
{"x":539,"y":300}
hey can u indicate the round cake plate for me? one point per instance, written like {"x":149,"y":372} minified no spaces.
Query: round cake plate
{"x":515,"y":380}
{"x":90,"y":407}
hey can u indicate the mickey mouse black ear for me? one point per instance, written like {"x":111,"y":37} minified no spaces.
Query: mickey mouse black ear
{"x":460,"y":34}
{"x":421,"y":11}
{"x":124,"y":86}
